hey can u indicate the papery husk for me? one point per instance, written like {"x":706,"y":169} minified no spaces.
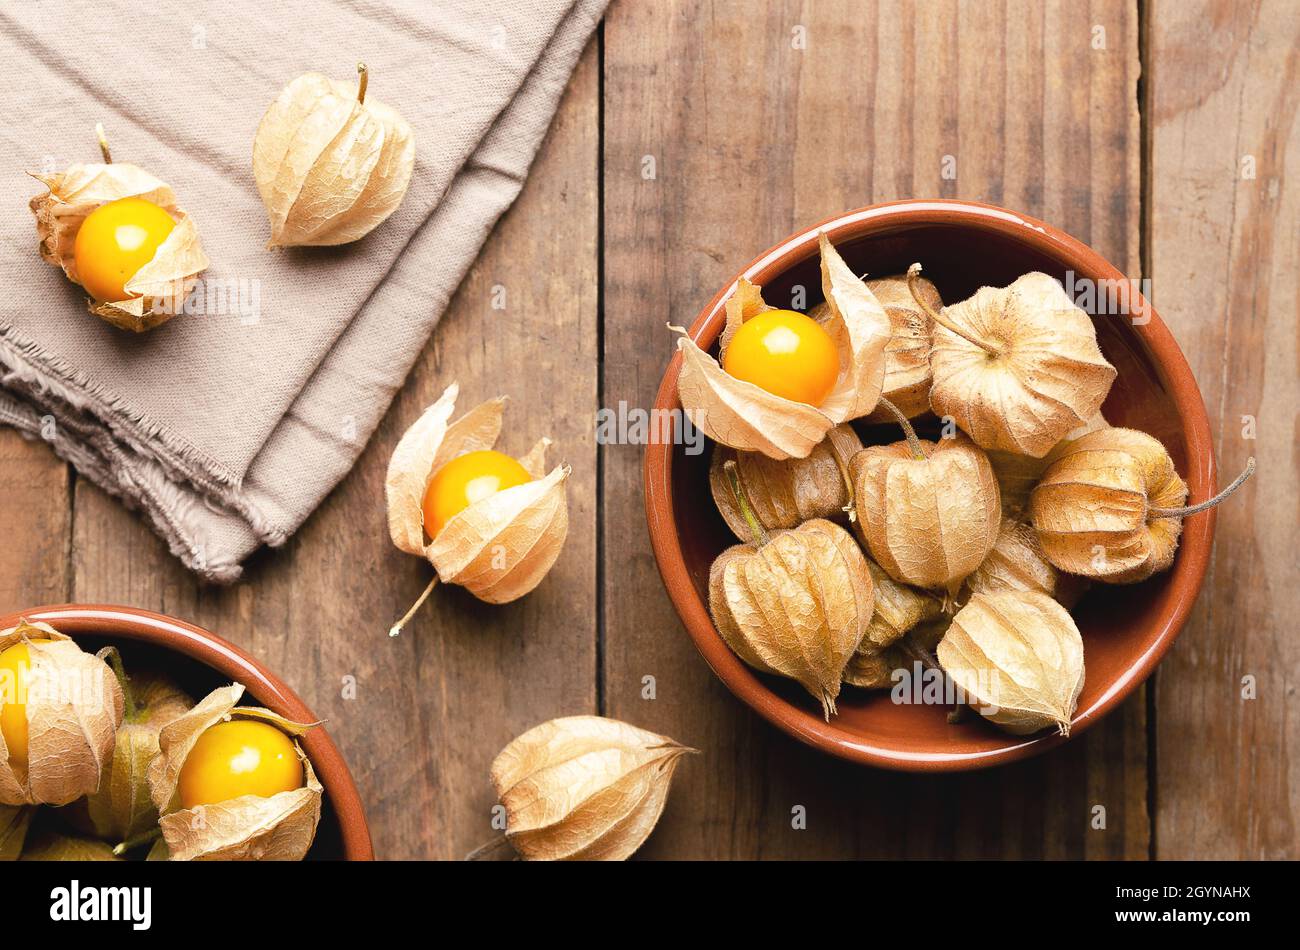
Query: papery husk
{"x":1017,"y":562}
{"x":898,"y":608}
{"x":928,"y":522}
{"x":47,"y":844}
{"x":123,"y":809}
{"x":163,"y":283}
{"x":784,"y":494}
{"x":1091,"y":510}
{"x":14,"y":822}
{"x":747,"y":417}
{"x":74,"y":706}
{"x":1047,"y":376}
{"x":796,"y":606}
{"x":329,"y":166}
{"x":249,"y":828}
{"x":877,"y":668}
{"x":584,"y":788}
{"x":907,"y":355}
{"x":1018,"y":474}
{"x":498,"y":548}
{"x":1018,"y":657}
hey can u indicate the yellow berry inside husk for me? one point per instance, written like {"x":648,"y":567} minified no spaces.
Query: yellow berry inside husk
{"x":115,"y":241}
{"x":15,"y":680}
{"x":787,"y":354}
{"x":465,"y":480}
{"x":239,"y":757}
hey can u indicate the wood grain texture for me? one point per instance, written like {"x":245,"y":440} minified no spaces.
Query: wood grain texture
{"x":1029,"y":105}
{"x":35,"y":509}
{"x":752,"y":137}
{"x":1225,"y":158}
{"x":434,"y":706}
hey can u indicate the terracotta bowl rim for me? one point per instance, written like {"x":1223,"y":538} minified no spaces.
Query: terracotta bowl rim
{"x":1174,"y":375}
{"x":203,"y":646}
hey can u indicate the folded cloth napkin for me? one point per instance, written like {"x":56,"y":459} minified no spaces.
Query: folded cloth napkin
{"x":227,"y":429}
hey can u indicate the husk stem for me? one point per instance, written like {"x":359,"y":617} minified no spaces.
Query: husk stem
{"x":396,"y":628}
{"x":761,"y":536}
{"x":913,"y":442}
{"x":103,"y":143}
{"x":363,"y":80}
{"x":113,"y":658}
{"x":484,"y":852}
{"x":139,"y":841}
{"x":850,"y":508}
{"x":913,"y":273}
{"x":1205,"y":505}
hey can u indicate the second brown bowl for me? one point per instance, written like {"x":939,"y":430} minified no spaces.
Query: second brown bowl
{"x":1126,"y":630}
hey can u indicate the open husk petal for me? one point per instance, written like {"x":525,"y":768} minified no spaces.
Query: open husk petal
{"x":784,"y":494}
{"x":409,"y":470}
{"x":500,"y":547}
{"x":748,"y":418}
{"x":1048,"y":377}
{"x":1091,"y":508}
{"x":329,"y":168}
{"x":584,"y":788}
{"x":1019,"y":658}
{"x":736,"y":413}
{"x":746,"y":302}
{"x":797,"y":606}
{"x":927,"y":522}
{"x":160,"y":287}
{"x":249,"y":828}
{"x":74,"y":706}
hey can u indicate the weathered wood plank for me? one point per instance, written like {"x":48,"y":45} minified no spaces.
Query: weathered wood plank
{"x":750,"y":137}
{"x":434,"y":706}
{"x":1225,"y":146}
{"x":35,"y":508}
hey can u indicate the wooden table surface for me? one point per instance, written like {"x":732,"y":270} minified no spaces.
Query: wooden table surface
{"x":693,"y":136}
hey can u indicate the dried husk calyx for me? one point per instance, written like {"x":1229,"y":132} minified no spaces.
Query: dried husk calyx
{"x":1017,"y":562}
{"x":584,"y":788}
{"x":248,"y":828}
{"x":784,"y":494}
{"x":1111,"y":506}
{"x":878,"y":669}
{"x":899,"y":609}
{"x":928,"y":512}
{"x":498,"y":548}
{"x":907,"y":354}
{"x":74,"y":706}
{"x":794,"y":603}
{"x":746,"y":417}
{"x":329,"y":163}
{"x":122,"y":811}
{"x":158,"y":290}
{"x":1015,"y":367}
{"x":1018,"y":658}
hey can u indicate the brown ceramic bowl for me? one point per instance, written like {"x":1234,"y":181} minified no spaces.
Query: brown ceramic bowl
{"x":1126,"y":630}
{"x":200,"y":662}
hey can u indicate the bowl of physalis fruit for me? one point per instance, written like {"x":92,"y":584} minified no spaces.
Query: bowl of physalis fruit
{"x":186,"y":749}
{"x":958,"y":490}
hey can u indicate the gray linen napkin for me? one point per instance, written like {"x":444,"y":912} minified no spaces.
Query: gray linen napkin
{"x":228,"y":429}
